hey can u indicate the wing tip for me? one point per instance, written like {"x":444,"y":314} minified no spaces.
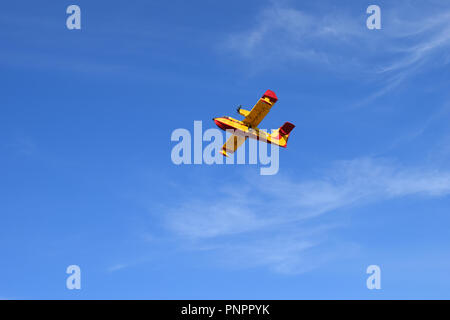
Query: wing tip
{"x":271,"y":95}
{"x":224,"y":153}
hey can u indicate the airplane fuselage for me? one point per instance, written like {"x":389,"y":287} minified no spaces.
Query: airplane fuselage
{"x":241,"y":129}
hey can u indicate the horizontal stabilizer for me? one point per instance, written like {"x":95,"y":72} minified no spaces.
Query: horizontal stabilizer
{"x":242,"y":112}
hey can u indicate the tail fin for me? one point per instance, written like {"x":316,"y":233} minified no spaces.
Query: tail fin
{"x":286,"y":129}
{"x":281,"y":135}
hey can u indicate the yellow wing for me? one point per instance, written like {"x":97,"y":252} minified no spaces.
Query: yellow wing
{"x":261,"y":109}
{"x":232,"y":144}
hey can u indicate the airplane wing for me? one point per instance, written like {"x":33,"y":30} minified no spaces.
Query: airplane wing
{"x":261,"y":109}
{"x":232,"y":144}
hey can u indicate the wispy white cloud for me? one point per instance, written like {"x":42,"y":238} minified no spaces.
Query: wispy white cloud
{"x":289,"y":249}
{"x":277,"y":232}
{"x":284,"y":32}
{"x":339,"y":41}
{"x":117,"y":267}
{"x":417,"y":41}
{"x":347,"y":183}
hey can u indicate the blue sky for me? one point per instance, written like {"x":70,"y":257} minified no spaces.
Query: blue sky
{"x":86,"y":175}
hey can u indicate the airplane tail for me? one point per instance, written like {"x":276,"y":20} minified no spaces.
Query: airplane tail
{"x":281,"y":135}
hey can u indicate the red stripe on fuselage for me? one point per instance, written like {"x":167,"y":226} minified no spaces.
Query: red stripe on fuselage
{"x":223,"y":126}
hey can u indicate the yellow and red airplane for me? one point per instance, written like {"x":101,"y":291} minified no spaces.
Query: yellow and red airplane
{"x":247,"y":128}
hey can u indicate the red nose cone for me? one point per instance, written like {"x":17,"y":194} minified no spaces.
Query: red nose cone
{"x":271,"y":95}
{"x":219,"y":124}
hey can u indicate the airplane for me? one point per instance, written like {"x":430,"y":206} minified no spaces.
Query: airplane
{"x":247,"y":128}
